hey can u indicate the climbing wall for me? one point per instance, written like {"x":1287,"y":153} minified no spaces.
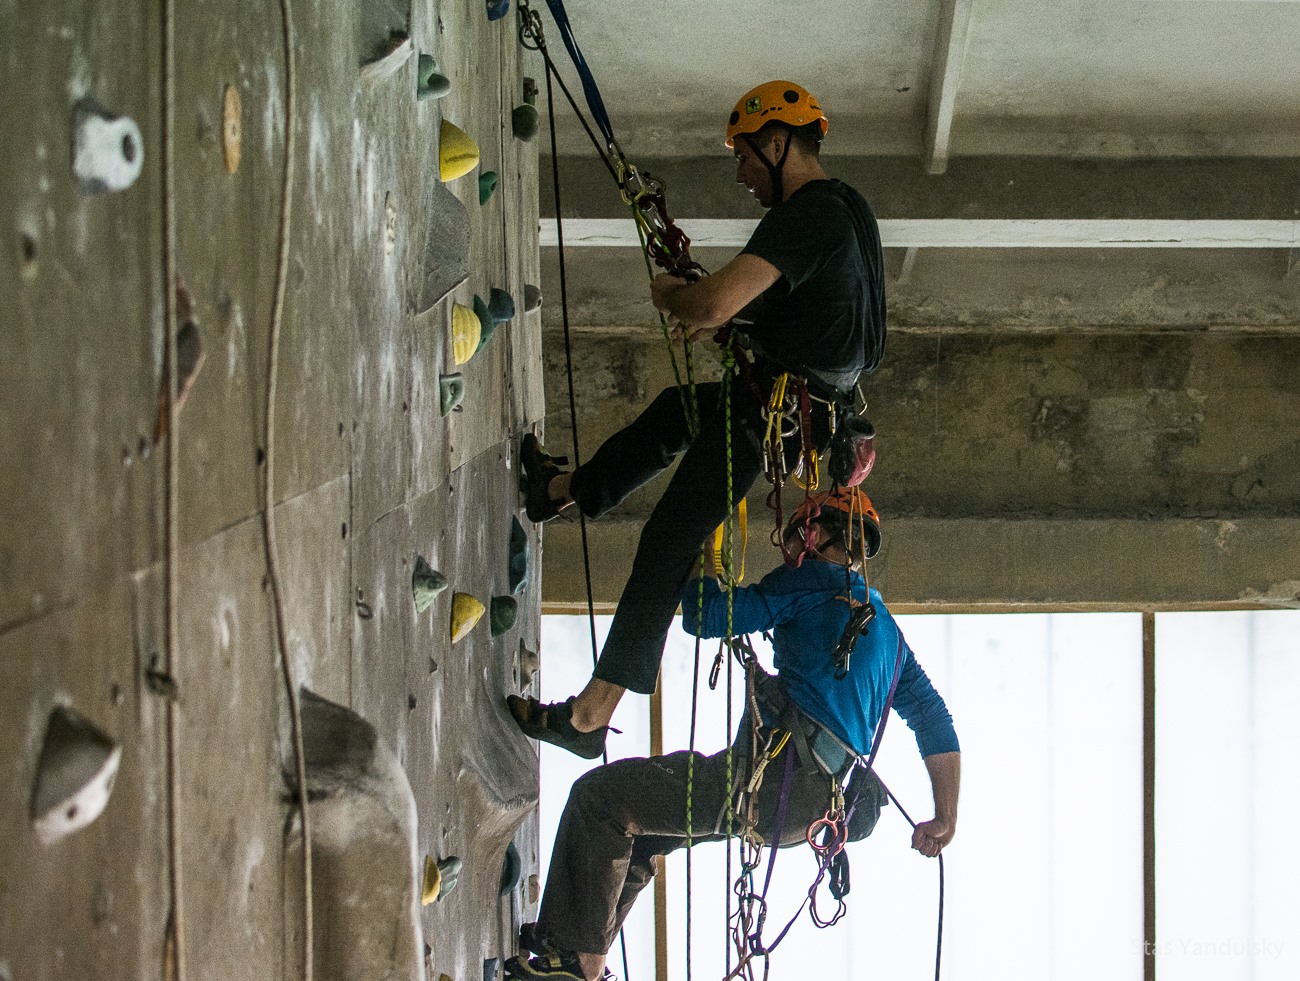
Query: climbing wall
{"x":148,"y":773}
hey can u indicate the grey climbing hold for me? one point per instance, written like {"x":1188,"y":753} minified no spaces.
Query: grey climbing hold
{"x":451,"y":392}
{"x":501,"y":306}
{"x":429,"y":82}
{"x":518,"y":569}
{"x":107,"y":150}
{"x":491,"y":969}
{"x":532,"y":298}
{"x":523,"y":118}
{"x":502,"y":614}
{"x":392,"y":56}
{"x":487,"y":183}
{"x":364,"y":856}
{"x":529,"y":662}
{"x":426,"y":584}
{"x":512,"y":867}
{"x":74,"y":776}
{"x":443,"y":247}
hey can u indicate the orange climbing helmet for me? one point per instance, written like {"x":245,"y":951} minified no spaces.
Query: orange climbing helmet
{"x":850,"y":501}
{"x":776,"y":101}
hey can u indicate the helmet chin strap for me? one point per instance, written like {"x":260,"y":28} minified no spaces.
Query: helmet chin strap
{"x":774,"y":170}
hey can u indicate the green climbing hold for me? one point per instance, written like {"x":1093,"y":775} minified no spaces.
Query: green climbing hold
{"x":523,"y":118}
{"x":487,"y":183}
{"x":503,"y":613}
{"x":511,"y":868}
{"x":426,"y":584}
{"x":518,"y":556}
{"x":487,"y":326}
{"x":429,"y":82}
{"x":451,"y":392}
{"x":501,"y":306}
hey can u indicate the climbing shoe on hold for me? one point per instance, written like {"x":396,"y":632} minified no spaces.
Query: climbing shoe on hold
{"x":539,"y":470}
{"x":558,"y":966}
{"x":552,"y":723}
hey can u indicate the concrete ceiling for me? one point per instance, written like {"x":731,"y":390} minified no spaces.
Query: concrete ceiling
{"x":972,"y":125}
{"x":1106,"y":77}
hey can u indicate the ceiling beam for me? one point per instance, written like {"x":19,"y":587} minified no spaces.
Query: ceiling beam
{"x":975,"y":233}
{"x":945,"y":79}
{"x":972,"y":187}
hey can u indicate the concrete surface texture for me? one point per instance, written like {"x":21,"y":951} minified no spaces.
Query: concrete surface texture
{"x":368,"y":476}
{"x":1112,"y":78}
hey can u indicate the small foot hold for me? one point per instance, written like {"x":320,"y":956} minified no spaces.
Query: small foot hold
{"x":74,"y":777}
{"x":523,"y":118}
{"x":491,"y":969}
{"x":440,"y":878}
{"x":429,"y":82}
{"x":392,"y":56}
{"x":501,"y":306}
{"x":487,"y":183}
{"x":189,"y":359}
{"x":518,"y":568}
{"x":496,"y":9}
{"x":512,"y":867}
{"x":466,"y":611}
{"x":532,"y":298}
{"x":529,"y":662}
{"x":426,"y":584}
{"x":107,"y":150}
{"x":457,"y":152}
{"x":503,"y":615}
{"x":232,"y":128}
{"x":451,"y":392}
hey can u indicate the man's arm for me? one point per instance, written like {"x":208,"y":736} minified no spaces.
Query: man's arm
{"x":713,"y":300}
{"x":931,"y":837}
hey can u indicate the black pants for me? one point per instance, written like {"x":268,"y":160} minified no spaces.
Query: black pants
{"x":693,"y":504}
{"x":618,"y":817}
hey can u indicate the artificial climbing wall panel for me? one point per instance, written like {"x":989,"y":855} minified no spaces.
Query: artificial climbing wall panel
{"x":372,"y":469}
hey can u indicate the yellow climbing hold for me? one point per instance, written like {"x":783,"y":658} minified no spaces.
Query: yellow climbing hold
{"x":457,"y":152}
{"x":465,"y":612}
{"x":466,"y":331}
{"x":432,"y":881}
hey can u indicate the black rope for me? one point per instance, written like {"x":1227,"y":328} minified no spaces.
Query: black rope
{"x":573,"y":417}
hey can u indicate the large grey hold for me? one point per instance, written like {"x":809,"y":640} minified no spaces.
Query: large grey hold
{"x":74,"y":777}
{"x":442,"y":250}
{"x":107,"y":150}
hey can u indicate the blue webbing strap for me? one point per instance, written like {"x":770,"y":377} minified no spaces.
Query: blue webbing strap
{"x":594,"y":102}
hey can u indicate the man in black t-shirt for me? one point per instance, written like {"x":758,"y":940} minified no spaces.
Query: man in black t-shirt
{"x":810,"y":284}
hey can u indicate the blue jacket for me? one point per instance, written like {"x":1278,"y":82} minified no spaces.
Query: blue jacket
{"x":802,"y":609}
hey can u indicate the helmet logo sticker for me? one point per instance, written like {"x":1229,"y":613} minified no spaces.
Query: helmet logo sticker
{"x":753,"y":105}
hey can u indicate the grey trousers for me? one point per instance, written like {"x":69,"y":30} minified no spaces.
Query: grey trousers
{"x":620,"y":816}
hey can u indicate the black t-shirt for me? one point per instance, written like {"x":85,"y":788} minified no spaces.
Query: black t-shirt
{"x":826,"y":312}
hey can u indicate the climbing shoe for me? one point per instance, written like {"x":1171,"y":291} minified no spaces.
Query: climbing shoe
{"x":533,"y":939}
{"x":551,"y":723}
{"x":560,"y":965}
{"x":539,"y":470}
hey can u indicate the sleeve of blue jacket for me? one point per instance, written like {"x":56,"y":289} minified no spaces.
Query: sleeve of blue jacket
{"x":923,"y":709}
{"x":751,"y":609}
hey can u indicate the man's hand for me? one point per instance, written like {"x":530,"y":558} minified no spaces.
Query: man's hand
{"x":660,"y":288}
{"x":931,"y":837}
